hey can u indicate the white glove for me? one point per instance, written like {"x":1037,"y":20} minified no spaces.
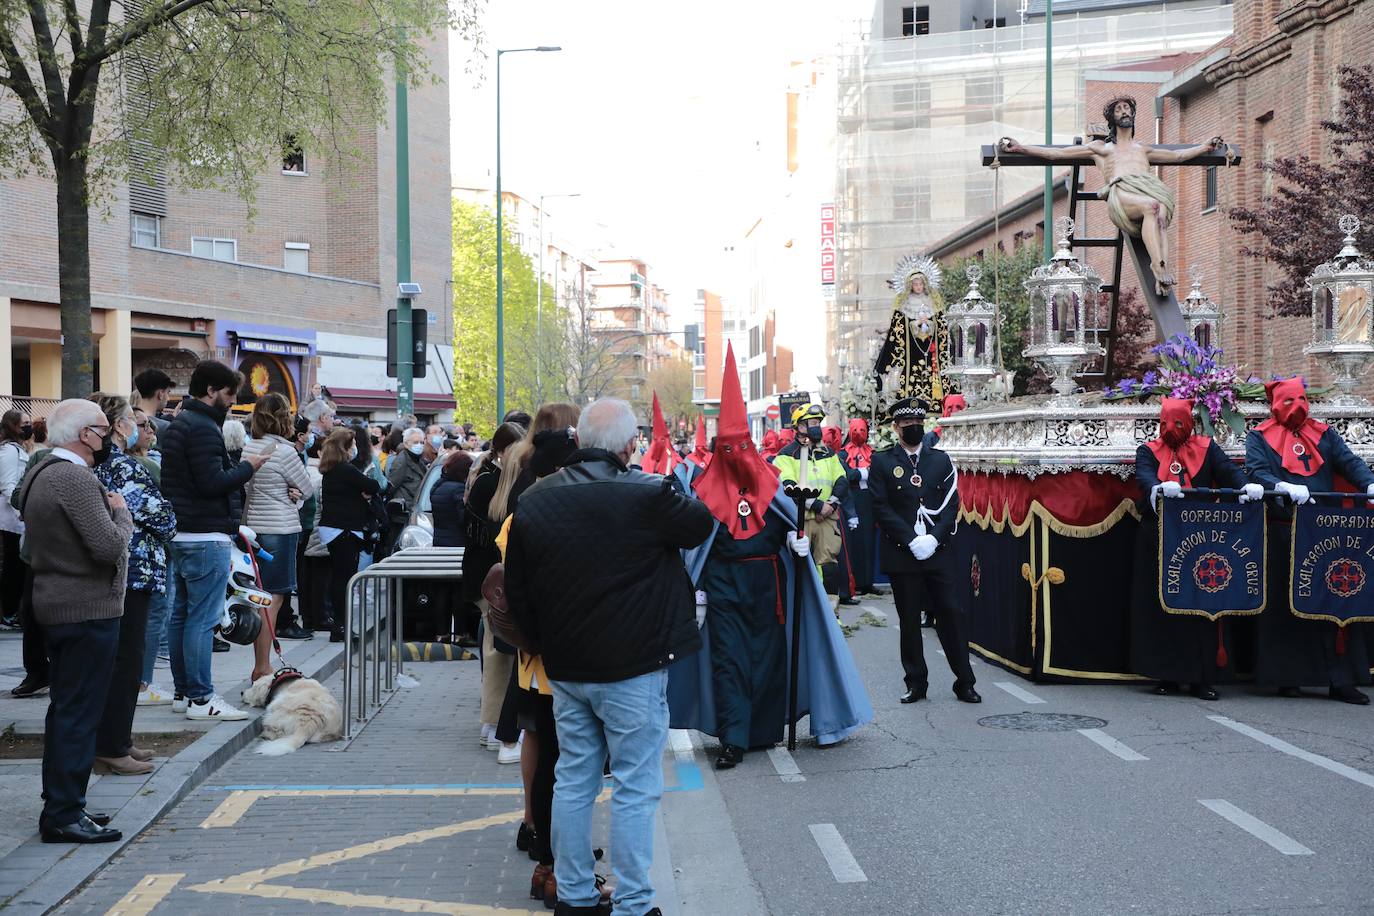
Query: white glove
{"x":1253,"y":493}
{"x":863,"y":474}
{"x":801,"y":546}
{"x":853,"y":524}
{"x":701,"y":608}
{"x":923,"y":547}
{"x":1294,"y":491}
{"x":1171,"y":489}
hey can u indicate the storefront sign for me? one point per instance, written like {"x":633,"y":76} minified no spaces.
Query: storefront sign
{"x":1211,"y":558}
{"x":277,"y":347}
{"x":1332,"y":563}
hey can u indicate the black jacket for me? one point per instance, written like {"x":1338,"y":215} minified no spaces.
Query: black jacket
{"x":347,"y":494}
{"x":446,"y":510}
{"x":896,"y":498}
{"x":593,"y":569}
{"x":205,"y":487}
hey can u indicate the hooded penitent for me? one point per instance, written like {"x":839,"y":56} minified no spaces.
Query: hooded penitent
{"x":832,"y":436}
{"x":786,"y":437}
{"x":771,"y":443}
{"x":660,"y":458}
{"x":700,"y":456}
{"x":1180,"y":453}
{"x":952,"y":404}
{"x":858,"y":452}
{"x":738,"y":486}
{"x":1289,"y":430}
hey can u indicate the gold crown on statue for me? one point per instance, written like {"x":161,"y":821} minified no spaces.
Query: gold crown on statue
{"x":914,"y":264}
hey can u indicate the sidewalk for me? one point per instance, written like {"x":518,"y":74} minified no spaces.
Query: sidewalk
{"x":411,"y":816}
{"x":39,"y":874}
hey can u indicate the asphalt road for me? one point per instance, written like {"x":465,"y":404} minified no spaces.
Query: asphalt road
{"x":1163,"y":809}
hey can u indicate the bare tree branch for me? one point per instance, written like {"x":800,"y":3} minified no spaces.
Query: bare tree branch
{"x":46,"y":52}
{"x":102,"y":48}
{"x":19,"y":82}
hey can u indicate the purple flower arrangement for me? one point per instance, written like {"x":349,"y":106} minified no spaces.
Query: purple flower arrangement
{"x":1189,"y":370}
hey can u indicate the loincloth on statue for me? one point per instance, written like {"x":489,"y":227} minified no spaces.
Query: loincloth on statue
{"x":1145,"y":185}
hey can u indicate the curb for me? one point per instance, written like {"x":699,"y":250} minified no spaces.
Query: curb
{"x":56,"y":871}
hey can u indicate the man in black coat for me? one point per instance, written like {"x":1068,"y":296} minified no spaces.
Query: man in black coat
{"x":916,"y":501}
{"x":594,"y":576}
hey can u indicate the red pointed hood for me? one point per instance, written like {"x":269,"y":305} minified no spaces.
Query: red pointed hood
{"x":1180,"y":453}
{"x":858,"y":452}
{"x":832,"y":436}
{"x":1289,"y":430}
{"x":739,"y":484}
{"x":660,"y":458}
{"x":771,"y":443}
{"x":700,"y":456}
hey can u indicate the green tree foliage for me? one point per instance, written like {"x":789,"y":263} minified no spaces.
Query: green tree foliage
{"x":535,"y":370}
{"x":207,"y":90}
{"x":1008,"y":273}
{"x":672,"y":379}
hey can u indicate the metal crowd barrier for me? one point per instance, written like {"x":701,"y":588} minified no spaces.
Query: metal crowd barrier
{"x":373,"y":624}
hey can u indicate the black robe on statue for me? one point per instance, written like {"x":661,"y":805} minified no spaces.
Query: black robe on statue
{"x":1293,"y":652}
{"x":1176,"y":647}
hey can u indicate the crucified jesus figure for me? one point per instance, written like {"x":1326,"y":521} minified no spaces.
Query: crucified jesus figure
{"x":1138,"y":202}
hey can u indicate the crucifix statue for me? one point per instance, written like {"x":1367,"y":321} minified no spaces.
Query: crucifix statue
{"x":1139,"y":204}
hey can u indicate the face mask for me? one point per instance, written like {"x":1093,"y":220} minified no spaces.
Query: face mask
{"x":913,"y":434}
{"x":437,"y":442}
{"x":417,"y":449}
{"x":309,"y":442}
{"x":101,"y":454}
{"x":353,"y":453}
{"x":814,"y":434}
{"x":26,"y":431}
{"x":133,"y":439}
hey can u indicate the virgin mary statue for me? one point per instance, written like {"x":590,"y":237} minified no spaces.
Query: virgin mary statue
{"x":916,"y":352}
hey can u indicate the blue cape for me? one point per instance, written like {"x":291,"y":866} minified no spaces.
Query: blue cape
{"x":829,"y":689}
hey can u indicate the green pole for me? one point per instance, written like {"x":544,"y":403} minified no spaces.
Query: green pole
{"x":405,"y":357}
{"x":1049,"y":126}
{"x":500,"y":277}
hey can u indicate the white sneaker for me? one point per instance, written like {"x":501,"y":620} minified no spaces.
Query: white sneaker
{"x":509,"y":754}
{"x":178,"y":703}
{"x":153,"y":695}
{"x":214,"y":707}
{"x":487,"y":733}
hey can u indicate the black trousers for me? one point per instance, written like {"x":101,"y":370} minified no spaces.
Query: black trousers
{"x":11,"y":574}
{"x":35,"y":647}
{"x":861,"y":542}
{"x":541,"y":788}
{"x":344,"y":551}
{"x":909,"y":591}
{"x":81,"y":656}
{"x":114,"y":738}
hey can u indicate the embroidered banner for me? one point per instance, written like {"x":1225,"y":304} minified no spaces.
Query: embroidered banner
{"x":1211,"y":558}
{"x":1333,"y":562}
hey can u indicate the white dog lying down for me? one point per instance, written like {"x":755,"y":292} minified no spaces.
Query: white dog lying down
{"x":300,"y":711}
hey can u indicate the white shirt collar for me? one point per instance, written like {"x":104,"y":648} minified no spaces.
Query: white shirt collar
{"x":67,"y":455}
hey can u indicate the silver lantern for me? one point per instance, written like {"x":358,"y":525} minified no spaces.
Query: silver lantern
{"x":1064,"y":322}
{"x":1202,"y":314}
{"x":972,"y":331}
{"x":1343,"y":315}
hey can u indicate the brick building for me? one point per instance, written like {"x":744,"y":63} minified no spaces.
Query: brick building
{"x":293,"y":294}
{"x":1266,"y":88}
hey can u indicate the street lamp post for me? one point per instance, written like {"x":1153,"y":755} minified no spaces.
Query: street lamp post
{"x":539,"y":298}
{"x":500,"y":276}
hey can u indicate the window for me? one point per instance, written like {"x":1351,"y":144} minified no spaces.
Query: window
{"x":292,"y":156}
{"x":145,"y":231}
{"x":216,"y":249}
{"x":1000,"y":22}
{"x":915,"y":21}
{"x":755,"y":342}
{"x":296,"y":257}
{"x":1209,"y":190}
{"x":755,"y":384}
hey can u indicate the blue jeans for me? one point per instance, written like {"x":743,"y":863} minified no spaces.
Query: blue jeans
{"x":630,"y":720}
{"x":159,"y":609}
{"x":199,"y":583}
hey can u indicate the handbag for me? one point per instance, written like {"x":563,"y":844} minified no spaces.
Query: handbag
{"x":499,"y":618}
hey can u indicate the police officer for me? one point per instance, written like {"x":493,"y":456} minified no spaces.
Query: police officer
{"x":916,"y":502}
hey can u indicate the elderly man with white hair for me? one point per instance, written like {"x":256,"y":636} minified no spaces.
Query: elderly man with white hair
{"x":78,"y":553}
{"x":595,"y":578}
{"x":406,"y":469}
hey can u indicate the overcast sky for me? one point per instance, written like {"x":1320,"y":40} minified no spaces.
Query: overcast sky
{"x":654,"y":112}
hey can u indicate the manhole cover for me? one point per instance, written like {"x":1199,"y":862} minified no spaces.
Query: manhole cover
{"x":1041,"y":722}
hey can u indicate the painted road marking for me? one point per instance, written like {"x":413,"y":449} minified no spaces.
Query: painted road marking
{"x":1025,"y":696}
{"x":146,"y":894}
{"x":680,"y":740}
{"x":837,"y":855}
{"x":785,"y":765}
{"x":1107,"y":742}
{"x":1278,"y":744}
{"x":1255,"y":827}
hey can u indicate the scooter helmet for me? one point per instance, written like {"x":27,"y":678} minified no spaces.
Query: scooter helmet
{"x":241,"y":625}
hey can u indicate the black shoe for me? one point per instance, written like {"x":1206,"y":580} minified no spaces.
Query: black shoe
{"x":1290,"y":692}
{"x":968,"y":695}
{"x":294,"y":631}
{"x":81,"y":831}
{"x":29,"y":688}
{"x":336,"y":635}
{"x":99,"y":818}
{"x":1164,"y":688}
{"x":1349,"y":695}
{"x":914,"y":696}
{"x":523,"y":837}
{"x":927,"y":621}
{"x":849,"y":602}
{"x":221,"y":645}
{"x":730,"y":757}
{"x":597,"y":909}
{"x":1204,"y":692}
{"x":322,"y":626}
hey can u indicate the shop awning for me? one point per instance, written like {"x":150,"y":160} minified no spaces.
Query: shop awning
{"x":375,"y":399}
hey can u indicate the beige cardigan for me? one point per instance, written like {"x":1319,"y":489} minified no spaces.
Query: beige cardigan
{"x":267,"y":509}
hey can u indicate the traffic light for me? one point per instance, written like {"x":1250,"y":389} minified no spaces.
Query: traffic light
{"x":419,"y":328}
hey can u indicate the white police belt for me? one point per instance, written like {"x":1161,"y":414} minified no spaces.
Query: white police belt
{"x":925,"y":518}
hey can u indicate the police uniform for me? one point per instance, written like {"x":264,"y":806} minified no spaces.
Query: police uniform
{"x":914,"y":495}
